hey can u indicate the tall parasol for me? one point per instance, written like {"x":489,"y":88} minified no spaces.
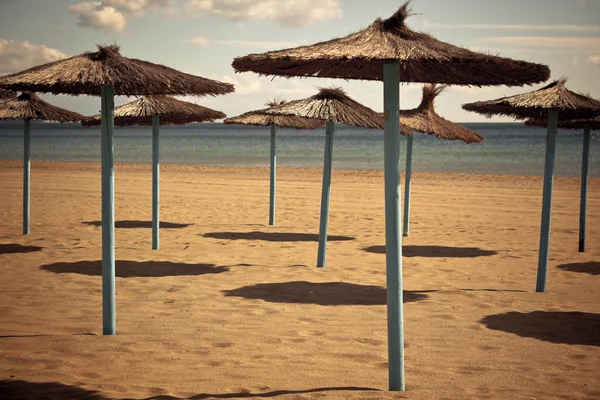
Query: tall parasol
{"x":331,"y":105}
{"x":151,"y":111}
{"x":424,"y":119}
{"x":389,"y":51}
{"x":107,"y":73}
{"x":7,"y":95}
{"x":547,"y":103}
{"x":586,"y":125}
{"x":27,"y":107}
{"x":258,"y":117}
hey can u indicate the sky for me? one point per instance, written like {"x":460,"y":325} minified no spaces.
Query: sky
{"x":202,"y":37}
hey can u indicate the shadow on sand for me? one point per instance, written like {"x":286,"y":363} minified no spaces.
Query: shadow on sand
{"x":131,"y":224}
{"x":321,"y":293}
{"x":319,"y":392}
{"x":23,"y":390}
{"x":550,"y":326}
{"x":12,"y":248}
{"x":592,"y":267}
{"x":436,"y":251}
{"x":274,"y":236}
{"x":129,"y":269}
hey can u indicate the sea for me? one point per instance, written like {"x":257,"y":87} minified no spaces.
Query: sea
{"x":508,"y":148}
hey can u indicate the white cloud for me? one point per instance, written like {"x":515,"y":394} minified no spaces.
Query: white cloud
{"x":199,"y":41}
{"x":594,"y":60}
{"x":510,"y":27}
{"x":254,"y":43}
{"x":60,"y":29}
{"x":97,"y":15}
{"x":112,"y":15}
{"x":17,"y":56}
{"x":570,"y":43}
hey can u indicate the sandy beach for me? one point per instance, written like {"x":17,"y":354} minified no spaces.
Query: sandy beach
{"x":232,"y":308}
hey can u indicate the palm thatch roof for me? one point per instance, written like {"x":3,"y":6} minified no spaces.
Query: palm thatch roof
{"x":30,"y":106}
{"x":170,"y":110}
{"x":536,"y":104}
{"x":86,"y":73}
{"x":422,"y":58}
{"x":7,"y":95}
{"x":331,"y":104}
{"x":259,"y":117}
{"x":424,"y":119}
{"x":567,"y":123}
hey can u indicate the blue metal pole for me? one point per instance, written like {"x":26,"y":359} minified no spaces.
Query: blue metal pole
{"x":542,"y":272}
{"x":393,"y":239}
{"x":108,"y":212}
{"x":26,"y":175}
{"x":273,"y":174}
{"x":155,"y":182}
{"x":409,"y":150}
{"x":324,"y":225}
{"x":585,"y":162}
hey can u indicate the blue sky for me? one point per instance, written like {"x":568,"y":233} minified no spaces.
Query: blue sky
{"x":203,"y":36}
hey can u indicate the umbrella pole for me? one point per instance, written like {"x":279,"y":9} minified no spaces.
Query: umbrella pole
{"x":155,"y":182}
{"x":408,"y":177}
{"x":542,"y":272}
{"x":324,"y":225}
{"x":585,"y":162}
{"x":393,"y":240}
{"x":26,"y":174}
{"x":273,"y":174}
{"x":108,"y":212}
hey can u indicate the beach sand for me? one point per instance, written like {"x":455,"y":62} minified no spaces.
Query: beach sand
{"x":232,"y":308}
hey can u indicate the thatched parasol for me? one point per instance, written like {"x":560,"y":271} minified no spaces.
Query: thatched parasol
{"x":537,"y":104}
{"x":7,"y":95}
{"x":170,"y":110}
{"x":153,"y":110}
{"x":27,"y":106}
{"x":259,"y":118}
{"x":331,"y":105}
{"x":586,"y":125}
{"x":423,"y":58}
{"x":388,"y":50}
{"x":106,"y":72}
{"x":548,"y":103}
{"x":425,"y":120}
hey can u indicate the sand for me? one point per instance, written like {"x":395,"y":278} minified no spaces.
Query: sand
{"x":232,"y":308}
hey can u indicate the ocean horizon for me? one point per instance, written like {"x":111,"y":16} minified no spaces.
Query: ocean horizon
{"x":508,"y":148}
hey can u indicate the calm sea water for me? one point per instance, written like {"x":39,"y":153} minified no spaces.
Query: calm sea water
{"x":507,"y":148}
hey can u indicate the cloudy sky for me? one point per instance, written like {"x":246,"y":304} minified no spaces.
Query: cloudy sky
{"x":203,"y":36}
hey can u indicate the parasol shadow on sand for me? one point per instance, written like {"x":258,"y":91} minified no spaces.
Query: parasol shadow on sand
{"x":260,"y":118}
{"x":152,"y":111}
{"x":547,"y":103}
{"x":577,"y":328}
{"x":587,"y":125}
{"x":27,"y":107}
{"x":424,"y":119}
{"x":107,"y":73}
{"x":331,"y":105}
{"x":391,"y":52}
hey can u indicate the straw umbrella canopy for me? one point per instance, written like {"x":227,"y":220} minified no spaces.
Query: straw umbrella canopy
{"x":548,"y":103}
{"x":258,"y":117}
{"x":424,"y":119}
{"x":331,"y":105}
{"x":106,"y":72}
{"x":586,"y":125}
{"x":27,"y":107}
{"x":170,"y":110}
{"x":7,"y":95}
{"x":153,"y":110}
{"x":389,"y":51}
